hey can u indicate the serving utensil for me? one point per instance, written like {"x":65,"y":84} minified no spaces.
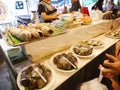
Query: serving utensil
{"x":64,"y":58}
{"x":100,"y":75}
{"x":37,"y":70}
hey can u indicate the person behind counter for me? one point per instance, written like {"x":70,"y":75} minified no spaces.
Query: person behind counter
{"x":75,"y":5}
{"x":98,"y":5}
{"x":46,"y":12}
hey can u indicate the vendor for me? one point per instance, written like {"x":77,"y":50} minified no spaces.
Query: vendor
{"x":75,"y":5}
{"x":98,"y":5}
{"x":46,"y":12}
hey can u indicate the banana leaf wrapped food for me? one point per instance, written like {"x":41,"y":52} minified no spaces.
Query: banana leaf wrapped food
{"x":31,"y":32}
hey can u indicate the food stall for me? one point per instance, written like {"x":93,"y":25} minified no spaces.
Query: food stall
{"x":44,"y":50}
{"x":61,"y":55}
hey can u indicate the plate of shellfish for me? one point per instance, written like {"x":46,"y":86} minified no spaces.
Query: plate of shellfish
{"x":113,"y":34}
{"x":94,"y":43}
{"x":65,"y":62}
{"x":36,"y":77}
{"x":82,"y":51}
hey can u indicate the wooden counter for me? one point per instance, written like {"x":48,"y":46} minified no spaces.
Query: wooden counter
{"x":61,"y":77}
{"x":41,"y":49}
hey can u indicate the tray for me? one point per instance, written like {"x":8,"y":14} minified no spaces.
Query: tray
{"x":57,"y":31}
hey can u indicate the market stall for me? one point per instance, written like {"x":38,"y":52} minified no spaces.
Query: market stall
{"x":42,"y":50}
{"x":61,"y":42}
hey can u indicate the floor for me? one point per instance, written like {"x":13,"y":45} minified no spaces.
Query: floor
{"x":5,"y":83}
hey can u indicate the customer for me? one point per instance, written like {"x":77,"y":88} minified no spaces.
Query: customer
{"x":113,"y":66}
{"x":111,"y":10}
{"x":110,"y":6}
{"x":112,"y":69}
{"x":46,"y":12}
{"x":98,"y":5}
{"x":75,"y":5}
{"x":118,"y":4}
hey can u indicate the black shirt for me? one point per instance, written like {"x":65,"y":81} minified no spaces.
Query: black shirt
{"x":98,"y":5}
{"x":42,"y":8}
{"x":75,"y":6}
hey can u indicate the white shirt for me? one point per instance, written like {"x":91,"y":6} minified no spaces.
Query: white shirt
{"x":108,"y":6}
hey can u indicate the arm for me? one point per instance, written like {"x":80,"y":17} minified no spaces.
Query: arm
{"x":45,"y":16}
{"x":75,"y":6}
{"x":113,"y":66}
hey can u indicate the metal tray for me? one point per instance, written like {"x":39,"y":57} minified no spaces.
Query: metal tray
{"x":57,"y":31}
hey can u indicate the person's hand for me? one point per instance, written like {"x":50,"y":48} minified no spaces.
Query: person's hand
{"x":58,"y":13}
{"x":118,"y":13}
{"x":112,"y":66}
{"x":55,"y":15}
{"x":115,"y":85}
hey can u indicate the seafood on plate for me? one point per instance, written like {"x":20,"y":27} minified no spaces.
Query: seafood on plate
{"x":93,"y":42}
{"x":82,"y":50}
{"x":37,"y":76}
{"x":65,"y":62}
{"x":113,"y":34}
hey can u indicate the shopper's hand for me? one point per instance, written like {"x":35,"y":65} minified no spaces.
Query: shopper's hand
{"x":106,"y":73}
{"x":115,"y":85}
{"x":118,"y":14}
{"x":112,"y":66}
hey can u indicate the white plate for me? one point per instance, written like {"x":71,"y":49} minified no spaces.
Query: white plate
{"x":111,"y":35}
{"x":87,"y":56}
{"x":47,"y":87}
{"x":97,"y":46}
{"x":57,"y":69}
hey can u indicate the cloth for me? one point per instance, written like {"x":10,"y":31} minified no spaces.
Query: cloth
{"x":75,"y":6}
{"x":47,"y":8}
